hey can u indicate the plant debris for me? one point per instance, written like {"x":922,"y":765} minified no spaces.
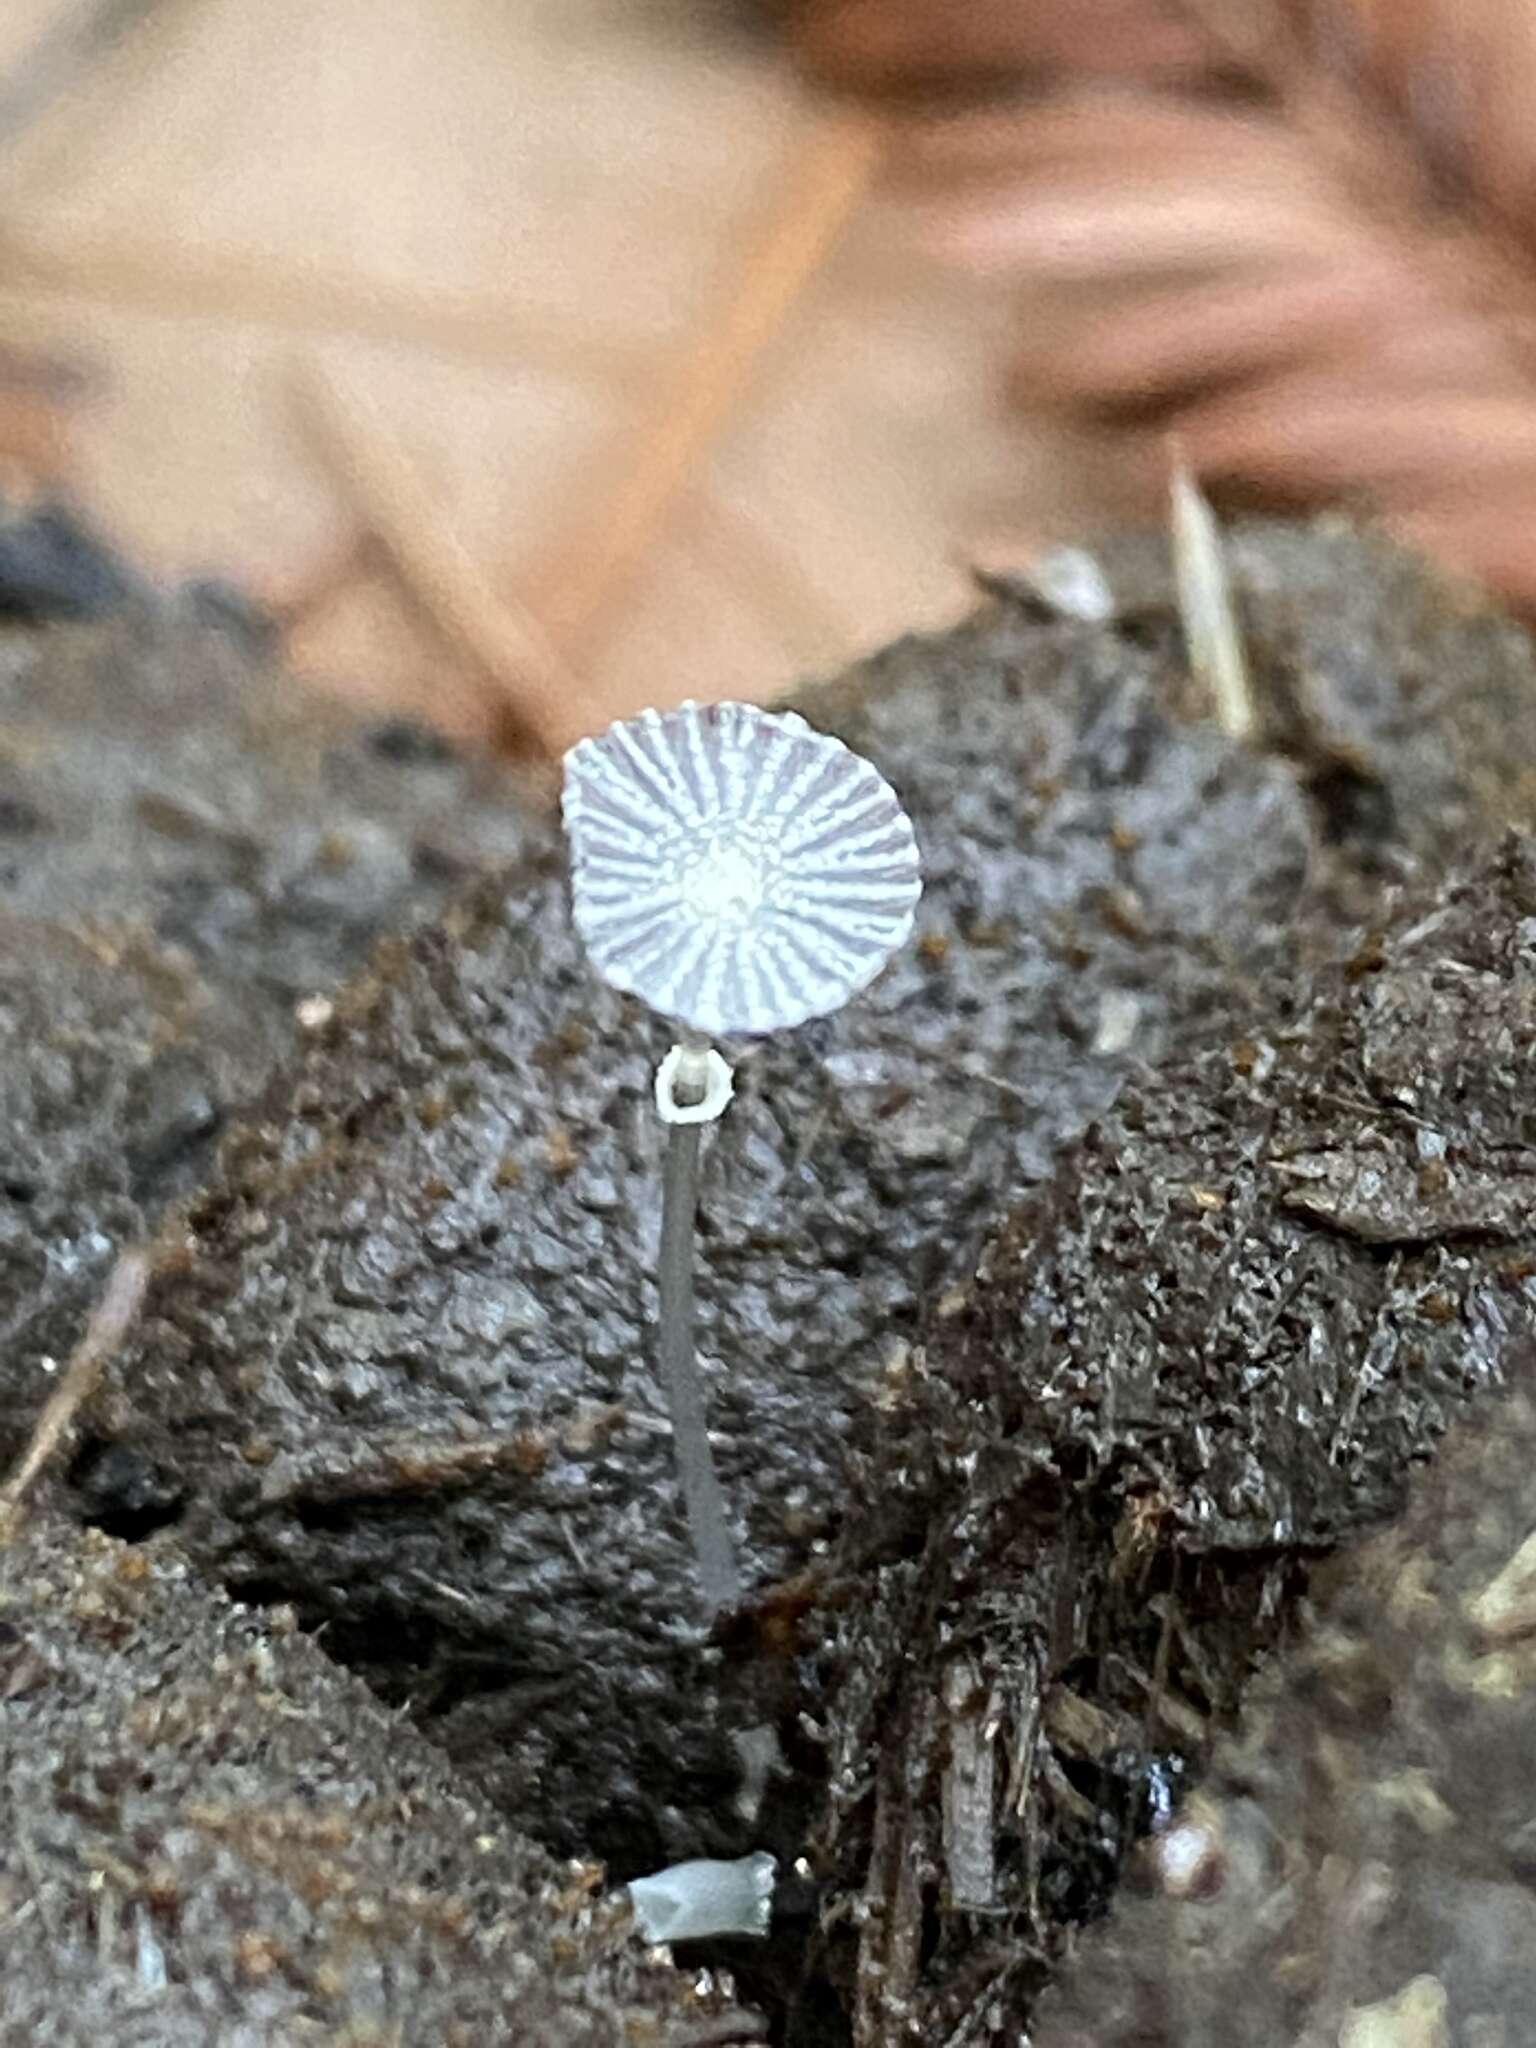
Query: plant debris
{"x":1358,"y":1863}
{"x":1298,"y":235}
{"x":1213,"y":1346}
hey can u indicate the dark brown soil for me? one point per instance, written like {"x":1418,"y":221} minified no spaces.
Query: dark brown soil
{"x":403,"y":1382}
{"x":1212,"y":1346}
{"x":209,"y":1833}
{"x":407,"y":1383}
{"x":189,"y":853}
{"x":1361,"y":1855}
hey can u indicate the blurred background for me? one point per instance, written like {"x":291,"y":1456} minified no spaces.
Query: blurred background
{"x":527,"y":361}
{"x":385,"y":315}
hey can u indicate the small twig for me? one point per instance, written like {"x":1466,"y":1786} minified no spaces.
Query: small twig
{"x":725,"y":2029}
{"x":292,"y":605}
{"x":402,"y":1465}
{"x":1206,"y":607}
{"x":968,"y":1790}
{"x":500,"y":639}
{"x":576,"y":587}
{"x":109,"y":1323}
{"x":158,"y":277}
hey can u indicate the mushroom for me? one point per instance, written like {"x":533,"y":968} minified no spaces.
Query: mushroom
{"x":740,"y":873}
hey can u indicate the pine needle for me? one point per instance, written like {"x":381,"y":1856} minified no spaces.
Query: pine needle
{"x":1207,"y":609}
{"x":576,"y":589}
{"x":501,"y":640}
{"x":109,"y":1323}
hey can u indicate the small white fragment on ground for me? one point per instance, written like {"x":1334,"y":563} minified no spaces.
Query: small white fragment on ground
{"x":149,"y":1957}
{"x":758,"y":1753}
{"x":1071,"y":581}
{"x":313,"y":1013}
{"x":687,"y":1901}
{"x":1188,"y":1860}
{"x":1418,"y":2017}
{"x":1119,"y":1015}
{"x":1505,"y":1610}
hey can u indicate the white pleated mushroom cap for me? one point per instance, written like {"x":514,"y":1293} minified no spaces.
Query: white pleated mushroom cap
{"x":735,"y":869}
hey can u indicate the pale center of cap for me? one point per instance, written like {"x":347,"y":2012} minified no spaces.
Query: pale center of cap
{"x":724,"y":884}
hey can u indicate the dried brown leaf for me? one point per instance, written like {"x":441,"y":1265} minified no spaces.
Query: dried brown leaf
{"x":1308,"y":246}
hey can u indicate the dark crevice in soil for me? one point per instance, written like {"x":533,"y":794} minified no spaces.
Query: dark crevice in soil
{"x":123,"y":1493}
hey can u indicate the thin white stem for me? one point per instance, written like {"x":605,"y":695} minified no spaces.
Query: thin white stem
{"x":719,"y":1575}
